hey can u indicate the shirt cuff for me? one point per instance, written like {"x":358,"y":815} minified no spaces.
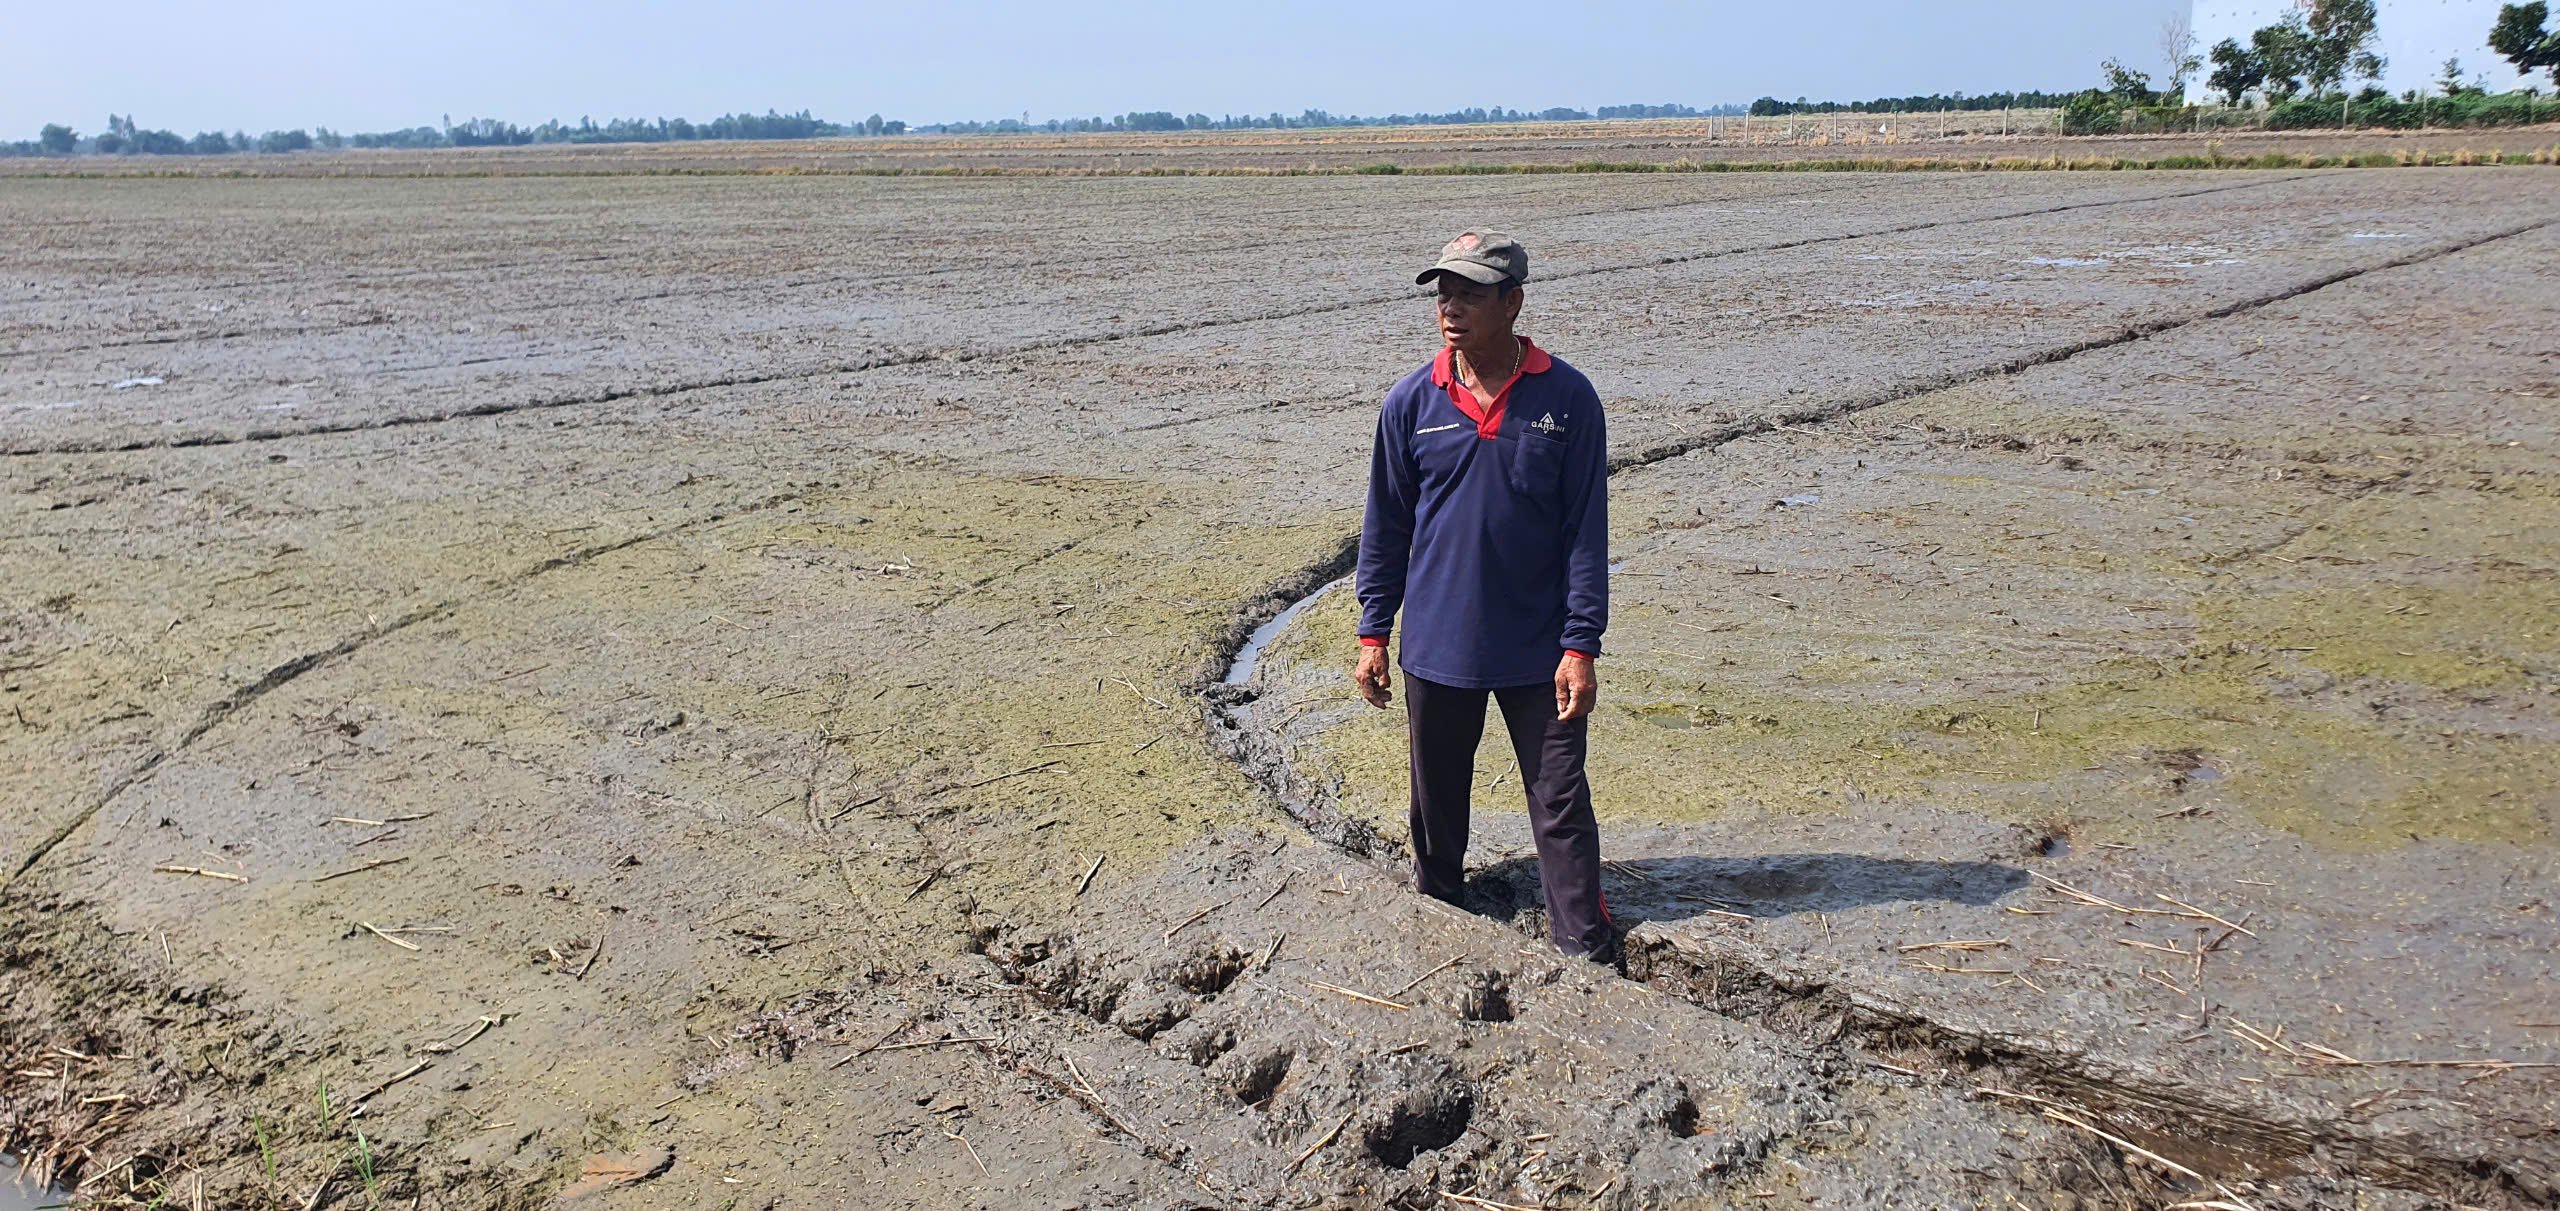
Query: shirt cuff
{"x":1579,"y":652}
{"x":1373,"y":641}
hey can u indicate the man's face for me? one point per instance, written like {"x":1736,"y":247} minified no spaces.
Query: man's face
{"x":1472,"y":311}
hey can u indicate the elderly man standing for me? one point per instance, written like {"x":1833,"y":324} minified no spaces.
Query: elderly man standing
{"x":1488,"y":526}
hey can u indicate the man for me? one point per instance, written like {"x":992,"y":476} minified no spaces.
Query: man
{"x":1488,"y":525}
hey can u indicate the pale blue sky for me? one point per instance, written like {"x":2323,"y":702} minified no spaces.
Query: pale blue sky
{"x":269,"y":64}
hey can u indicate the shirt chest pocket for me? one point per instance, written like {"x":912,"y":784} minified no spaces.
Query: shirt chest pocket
{"x":1536,"y":467}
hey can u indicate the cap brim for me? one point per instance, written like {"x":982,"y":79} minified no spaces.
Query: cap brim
{"x":1482,"y":275}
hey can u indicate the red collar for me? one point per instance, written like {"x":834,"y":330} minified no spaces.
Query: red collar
{"x":1533,"y":360}
{"x":1444,"y":375}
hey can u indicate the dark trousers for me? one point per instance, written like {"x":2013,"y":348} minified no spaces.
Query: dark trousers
{"x":1443,"y":725}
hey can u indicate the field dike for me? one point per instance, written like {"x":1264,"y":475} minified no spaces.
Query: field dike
{"x":2203,"y":1131}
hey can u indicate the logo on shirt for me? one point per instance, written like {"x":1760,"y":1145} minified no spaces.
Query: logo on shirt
{"x":1547,"y":424}
{"x":1437,"y":429}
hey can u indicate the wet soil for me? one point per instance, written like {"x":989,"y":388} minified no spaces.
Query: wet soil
{"x":566,"y":668}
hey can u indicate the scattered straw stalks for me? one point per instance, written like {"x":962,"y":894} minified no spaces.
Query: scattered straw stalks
{"x":2131,"y":1149}
{"x":1357,"y":995}
{"x":2179,"y":908}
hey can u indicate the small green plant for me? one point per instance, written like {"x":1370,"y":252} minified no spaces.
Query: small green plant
{"x":266,"y":1152}
{"x":364,"y":1168}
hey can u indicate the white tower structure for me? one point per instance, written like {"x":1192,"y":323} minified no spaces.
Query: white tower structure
{"x":2417,"y":36}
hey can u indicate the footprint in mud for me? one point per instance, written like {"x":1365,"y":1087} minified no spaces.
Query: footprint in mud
{"x":1429,"y":1117}
{"x":1254,"y":1077}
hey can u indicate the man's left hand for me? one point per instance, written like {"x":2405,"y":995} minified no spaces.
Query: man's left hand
{"x":1577,"y":687}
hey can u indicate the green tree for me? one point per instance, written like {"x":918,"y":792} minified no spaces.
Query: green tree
{"x":2520,"y":36}
{"x":2449,"y":78}
{"x":2130,"y":86}
{"x":57,"y":139}
{"x":2283,"y":51}
{"x":2091,"y":112}
{"x":2236,"y":70}
{"x":2342,"y":44}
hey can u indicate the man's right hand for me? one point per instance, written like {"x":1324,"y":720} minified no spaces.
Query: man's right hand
{"x":1371,"y":676}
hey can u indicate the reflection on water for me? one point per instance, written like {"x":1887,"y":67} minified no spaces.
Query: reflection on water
{"x":17,"y":1195}
{"x":1249,"y":657}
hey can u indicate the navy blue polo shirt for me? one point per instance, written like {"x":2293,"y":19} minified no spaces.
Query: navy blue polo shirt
{"x":1488,"y":526}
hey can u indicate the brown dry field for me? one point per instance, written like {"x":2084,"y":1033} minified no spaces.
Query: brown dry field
{"x":721,"y":682}
{"x":1762,"y":142}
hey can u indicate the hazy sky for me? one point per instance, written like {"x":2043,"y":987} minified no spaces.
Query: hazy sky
{"x":273,"y":64}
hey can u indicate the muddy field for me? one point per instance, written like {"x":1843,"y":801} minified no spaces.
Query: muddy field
{"x":714,"y":692}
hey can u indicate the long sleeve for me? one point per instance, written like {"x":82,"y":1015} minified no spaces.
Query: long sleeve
{"x":1586,"y":529}
{"x":1386,"y":530}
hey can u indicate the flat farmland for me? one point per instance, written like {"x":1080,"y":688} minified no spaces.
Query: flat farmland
{"x":1936,"y":140}
{"x":723,"y":687}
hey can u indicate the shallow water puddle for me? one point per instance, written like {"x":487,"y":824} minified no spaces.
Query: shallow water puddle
{"x":1249,"y":657}
{"x":17,"y":1194}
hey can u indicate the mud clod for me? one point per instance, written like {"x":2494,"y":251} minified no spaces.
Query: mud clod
{"x":1485,"y":996}
{"x":1207,"y":970}
{"x":1659,"y":1106}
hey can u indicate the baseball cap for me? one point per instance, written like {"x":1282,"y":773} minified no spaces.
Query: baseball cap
{"x":1488,"y":257}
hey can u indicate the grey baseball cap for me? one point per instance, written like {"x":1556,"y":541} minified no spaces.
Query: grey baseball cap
{"x":1489,"y":257}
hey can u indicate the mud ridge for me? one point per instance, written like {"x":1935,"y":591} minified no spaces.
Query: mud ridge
{"x":1901,"y":392}
{"x":894,"y":361}
{"x":1735,"y":984}
{"x":284,"y":674}
{"x":861,"y":279}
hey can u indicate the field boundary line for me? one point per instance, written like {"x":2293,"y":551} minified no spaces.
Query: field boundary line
{"x":920,"y":357}
{"x":2044,"y":357}
{"x":286,"y":673}
{"x":837,"y":279}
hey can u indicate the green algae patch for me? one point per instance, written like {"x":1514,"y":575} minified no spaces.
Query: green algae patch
{"x":2454,"y":638}
{"x":2117,"y":755}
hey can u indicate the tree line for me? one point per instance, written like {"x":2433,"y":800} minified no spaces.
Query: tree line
{"x":1166,"y":120}
{"x":2302,"y":68}
{"x":1922,"y":103}
{"x":123,"y":137}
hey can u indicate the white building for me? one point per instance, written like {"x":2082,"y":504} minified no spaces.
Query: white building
{"x":2417,"y":37}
